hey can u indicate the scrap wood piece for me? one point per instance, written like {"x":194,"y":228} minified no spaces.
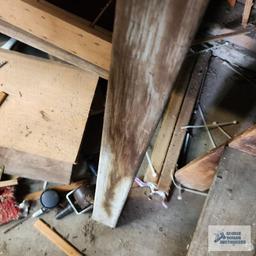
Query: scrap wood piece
{"x":3,"y":96}
{"x":199,"y":173}
{"x":8,"y":183}
{"x":169,"y":120}
{"x":230,"y":201}
{"x":55,"y":238}
{"x":247,"y":11}
{"x":61,"y":188}
{"x":35,"y":167}
{"x":145,"y":64}
{"x":9,"y":209}
{"x":189,"y":102}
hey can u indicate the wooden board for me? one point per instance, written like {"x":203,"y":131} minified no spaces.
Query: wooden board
{"x":169,"y":120}
{"x":199,"y":173}
{"x":231,"y":200}
{"x":150,"y":41}
{"x":246,"y":141}
{"x":45,"y":113}
{"x":187,"y":108}
{"x":45,"y":24}
{"x":55,"y":238}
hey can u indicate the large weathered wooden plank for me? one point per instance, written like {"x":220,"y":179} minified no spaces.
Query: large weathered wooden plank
{"x":186,"y":111}
{"x":150,"y":41}
{"x":231,"y":200}
{"x":45,"y":112}
{"x":48,"y":29}
{"x":169,"y":120}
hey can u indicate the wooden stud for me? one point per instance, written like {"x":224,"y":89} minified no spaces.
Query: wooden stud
{"x":55,"y":238}
{"x":169,"y":121}
{"x":190,"y":99}
{"x":150,"y":41}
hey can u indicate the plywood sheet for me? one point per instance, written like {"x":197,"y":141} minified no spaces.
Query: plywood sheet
{"x":47,"y":106}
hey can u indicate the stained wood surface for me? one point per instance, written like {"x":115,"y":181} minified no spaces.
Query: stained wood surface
{"x":199,"y":173}
{"x":150,"y":41}
{"x":187,"y":108}
{"x":169,"y":120}
{"x":231,"y":200}
{"x":57,"y":33}
{"x":246,"y":141}
{"x":45,"y":113}
{"x":55,"y":238}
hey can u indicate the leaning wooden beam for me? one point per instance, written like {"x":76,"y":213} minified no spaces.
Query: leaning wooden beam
{"x":186,"y":111}
{"x":199,"y":173}
{"x":150,"y":41}
{"x":169,"y":120}
{"x":231,"y":201}
{"x":46,"y":28}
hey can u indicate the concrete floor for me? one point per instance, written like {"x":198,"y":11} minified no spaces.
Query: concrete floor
{"x":145,"y":228}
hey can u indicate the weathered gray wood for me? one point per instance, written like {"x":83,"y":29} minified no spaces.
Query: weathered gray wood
{"x":231,"y":200}
{"x":150,"y":41}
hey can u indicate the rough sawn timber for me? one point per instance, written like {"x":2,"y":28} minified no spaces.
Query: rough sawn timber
{"x":150,"y":41}
{"x":56,"y":32}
